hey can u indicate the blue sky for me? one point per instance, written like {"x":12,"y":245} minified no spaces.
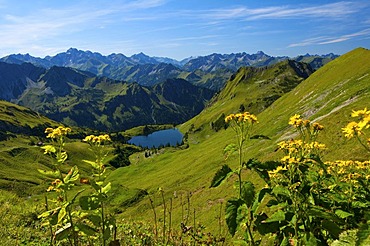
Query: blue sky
{"x":183,"y":28}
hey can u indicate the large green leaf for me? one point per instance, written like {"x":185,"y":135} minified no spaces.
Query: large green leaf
{"x":220,"y":175}
{"x":89,"y":202}
{"x":276,"y":217}
{"x":320,"y":212}
{"x":332,"y":228}
{"x":259,"y":197}
{"x":232,"y":213}
{"x":95,"y":219}
{"x":248,"y":193}
{"x":342,"y":214}
{"x":86,"y":229}
{"x":281,"y":190}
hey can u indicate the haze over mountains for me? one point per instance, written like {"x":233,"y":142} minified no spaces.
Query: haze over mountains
{"x":210,"y":71}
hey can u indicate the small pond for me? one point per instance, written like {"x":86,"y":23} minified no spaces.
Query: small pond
{"x":158,"y":138}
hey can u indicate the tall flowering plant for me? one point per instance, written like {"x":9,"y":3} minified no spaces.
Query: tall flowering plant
{"x":241,"y":211}
{"x":60,"y":217}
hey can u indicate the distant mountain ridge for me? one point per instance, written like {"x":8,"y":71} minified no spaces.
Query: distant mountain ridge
{"x":76,"y":97}
{"x":149,"y":71}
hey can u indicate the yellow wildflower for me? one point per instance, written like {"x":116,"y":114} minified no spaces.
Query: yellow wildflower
{"x":360,"y":113}
{"x":306,"y":123}
{"x":57,"y":132}
{"x":97,"y":139}
{"x":351,"y":130}
{"x":241,"y":118}
{"x":295,"y":120}
{"x":317,"y":127}
{"x":229,"y":118}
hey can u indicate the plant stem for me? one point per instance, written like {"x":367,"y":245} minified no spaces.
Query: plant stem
{"x":50,"y":226}
{"x":170,"y":220}
{"x":164,"y":217}
{"x":155,"y":218}
{"x":103,"y":222}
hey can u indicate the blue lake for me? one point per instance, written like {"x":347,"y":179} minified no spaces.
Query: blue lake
{"x":158,"y":138}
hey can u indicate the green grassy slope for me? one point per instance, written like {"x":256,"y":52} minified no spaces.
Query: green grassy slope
{"x":328,"y":96}
{"x":21,"y":129}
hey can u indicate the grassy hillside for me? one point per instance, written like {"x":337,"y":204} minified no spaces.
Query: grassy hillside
{"x":184,"y":174}
{"x":327,"y":96}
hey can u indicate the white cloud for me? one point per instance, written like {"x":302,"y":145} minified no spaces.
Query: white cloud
{"x":331,"y":10}
{"x":330,"y":40}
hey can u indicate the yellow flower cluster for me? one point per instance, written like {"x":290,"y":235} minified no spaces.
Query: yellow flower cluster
{"x":241,"y":118}
{"x":349,"y":171}
{"x":298,"y":122}
{"x":97,"y":139}
{"x":292,"y":147}
{"x":355,"y":128}
{"x":274,"y":173}
{"x":57,"y":132}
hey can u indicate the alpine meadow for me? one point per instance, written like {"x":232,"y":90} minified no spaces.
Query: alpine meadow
{"x":220,"y":123}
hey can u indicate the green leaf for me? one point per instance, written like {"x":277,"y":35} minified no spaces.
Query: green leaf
{"x":76,"y":195}
{"x":107,"y":233}
{"x":359,"y":204}
{"x":240,"y":243}
{"x":229,"y":150}
{"x":86,"y":229}
{"x":280,"y":190}
{"x":62,"y":213}
{"x":320,"y":212}
{"x":89,"y":202}
{"x":106,"y":188}
{"x":332,"y":228}
{"x":95,"y":219}
{"x":285,"y":242}
{"x":342,"y":214}
{"x":50,"y":174}
{"x":49,"y":149}
{"x":220,"y":175}
{"x":63,"y":232}
{"x":95,"y":185}
{"x":276,"y":217}
{"x":72,"y":175}
{"x":92,"y":163}
{"x":346,"y":238}
{"x":259,"y":197}
{"x":309,"y":239}
{"x":363,"y":235}
{"x":231,"y":214}
{"x":48,"y":213}
{"x":248,"y":193}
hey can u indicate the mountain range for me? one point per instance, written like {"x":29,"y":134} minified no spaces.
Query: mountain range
{"x":210,"y":71}
{"x":80,"y":98}
{"x":76,"y":97}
